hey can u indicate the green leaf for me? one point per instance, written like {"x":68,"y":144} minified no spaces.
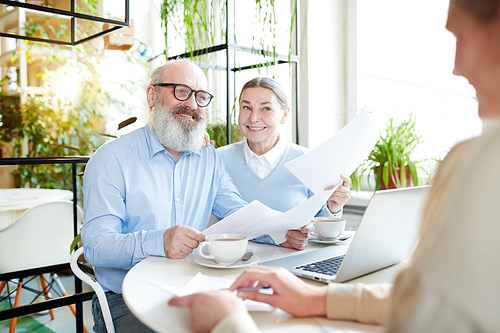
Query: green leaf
{"x":74,"y":243}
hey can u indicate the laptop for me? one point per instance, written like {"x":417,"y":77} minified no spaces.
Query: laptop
{"x":387,"y":234}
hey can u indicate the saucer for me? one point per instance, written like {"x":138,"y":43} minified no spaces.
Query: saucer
{"x":349,"y":234}
{"x":210,"y":263}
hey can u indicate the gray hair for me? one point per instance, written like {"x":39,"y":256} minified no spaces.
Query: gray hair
{"x":483,"y":9}
{"x":268,"y":83}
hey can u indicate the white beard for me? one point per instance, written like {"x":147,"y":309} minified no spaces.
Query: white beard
{"x":179,"y":135}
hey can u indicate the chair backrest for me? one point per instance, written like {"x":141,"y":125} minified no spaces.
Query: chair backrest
{"x":92,"y":282}
{"x":40,"y":237}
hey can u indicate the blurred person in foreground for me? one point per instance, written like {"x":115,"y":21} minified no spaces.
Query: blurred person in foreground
{"x":451,"y":283}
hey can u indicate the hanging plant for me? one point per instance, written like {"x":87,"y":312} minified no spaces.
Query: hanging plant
{"x":201,"y":23}
{"x":193,"y":19}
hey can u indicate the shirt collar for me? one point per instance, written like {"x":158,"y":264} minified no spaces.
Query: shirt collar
{"x":271,"y":156}
{"x":155,"y":146}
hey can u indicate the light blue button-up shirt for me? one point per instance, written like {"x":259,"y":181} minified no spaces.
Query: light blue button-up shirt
{"x":134,"y":191}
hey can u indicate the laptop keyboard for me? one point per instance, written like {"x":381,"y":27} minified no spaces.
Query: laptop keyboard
{"x":328,"y":266}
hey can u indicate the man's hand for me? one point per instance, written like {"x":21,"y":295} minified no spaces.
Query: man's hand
{"x":339,"y":198}
{"x":180,"y":241}
{"x":207,"y":309}
{"x":297,"y":239}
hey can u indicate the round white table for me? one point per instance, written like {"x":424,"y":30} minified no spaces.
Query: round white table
{"x":15,"y":201}
{"x":149,"y":303}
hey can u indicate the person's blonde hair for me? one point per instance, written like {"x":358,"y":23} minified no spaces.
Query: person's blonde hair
{"x":483,"y":9}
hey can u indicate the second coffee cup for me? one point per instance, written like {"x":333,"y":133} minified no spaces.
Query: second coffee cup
{"x":225,"y":248}
{"x":328,"y":227}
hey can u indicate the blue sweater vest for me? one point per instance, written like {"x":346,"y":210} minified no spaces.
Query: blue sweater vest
{"x":280,"y":190}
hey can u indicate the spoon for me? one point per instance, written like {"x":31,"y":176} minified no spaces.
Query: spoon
{"x":246,"y":256}
{"x":340,"y":239}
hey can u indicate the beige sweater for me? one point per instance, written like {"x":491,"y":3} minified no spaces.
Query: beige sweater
{"x":452,"y":283}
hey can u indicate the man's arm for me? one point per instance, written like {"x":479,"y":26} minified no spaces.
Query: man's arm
{"x":102,"y":233}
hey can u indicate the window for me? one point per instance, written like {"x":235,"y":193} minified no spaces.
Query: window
{"x":405,"y":60}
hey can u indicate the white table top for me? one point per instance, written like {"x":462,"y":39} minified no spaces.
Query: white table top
{"x":24,"y":198}
{"x":149,"y":303}
{"x":15,"y":201}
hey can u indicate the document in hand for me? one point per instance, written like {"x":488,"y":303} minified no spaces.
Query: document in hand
{"x":257,"y":219}
{"x":319,"y":168}
{"x":340,"y":155}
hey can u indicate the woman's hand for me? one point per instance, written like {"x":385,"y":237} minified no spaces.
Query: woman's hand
{"x":339,"y":198}
{"x":297,"y":239}
{"x":207,"y":142}
{"x":290,"y":293}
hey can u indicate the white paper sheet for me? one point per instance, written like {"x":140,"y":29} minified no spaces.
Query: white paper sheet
{"x":296,"y":217}
{"x":250,"y":217}
{"x":317,"y":169}
{"x":340,"y":155}
{"x":203,"y":283}
{"x":257,"y":219}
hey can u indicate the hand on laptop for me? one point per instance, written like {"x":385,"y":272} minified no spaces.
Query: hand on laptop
{"x":297,"y":239}
{"x":290,"y":293}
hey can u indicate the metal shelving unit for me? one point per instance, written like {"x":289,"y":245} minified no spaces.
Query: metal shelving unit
{"x":72,"y":14}
{"x":231,"y":69}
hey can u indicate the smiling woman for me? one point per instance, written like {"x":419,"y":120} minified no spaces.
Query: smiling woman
{"x":257,"y":165}
{"x":260,"y":115}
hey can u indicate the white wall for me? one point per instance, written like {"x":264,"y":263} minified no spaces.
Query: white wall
{"x":322,"y":75}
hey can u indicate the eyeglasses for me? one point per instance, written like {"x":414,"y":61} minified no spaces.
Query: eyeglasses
{"x":183,"y":93}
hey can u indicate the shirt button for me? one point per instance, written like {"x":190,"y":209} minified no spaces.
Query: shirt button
{"x":177,"y":199}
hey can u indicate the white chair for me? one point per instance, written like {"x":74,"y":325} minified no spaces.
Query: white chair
{"x":40,"y":237}
{"x":92,"y":282}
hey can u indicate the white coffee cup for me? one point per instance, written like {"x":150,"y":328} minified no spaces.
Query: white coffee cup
{"x":224,"y":249}
{"x":328,"y":227}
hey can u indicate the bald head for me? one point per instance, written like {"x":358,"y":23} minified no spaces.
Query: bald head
{"x":181,"y":69}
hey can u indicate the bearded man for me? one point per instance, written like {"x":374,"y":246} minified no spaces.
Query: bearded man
{"x":149,"y":193}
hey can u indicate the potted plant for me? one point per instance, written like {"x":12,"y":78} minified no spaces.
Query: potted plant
{"x":390,"y":160}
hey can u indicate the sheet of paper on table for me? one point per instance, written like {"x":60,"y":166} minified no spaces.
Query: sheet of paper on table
{"x":202,"y":283}
{"x":317,"y":169}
